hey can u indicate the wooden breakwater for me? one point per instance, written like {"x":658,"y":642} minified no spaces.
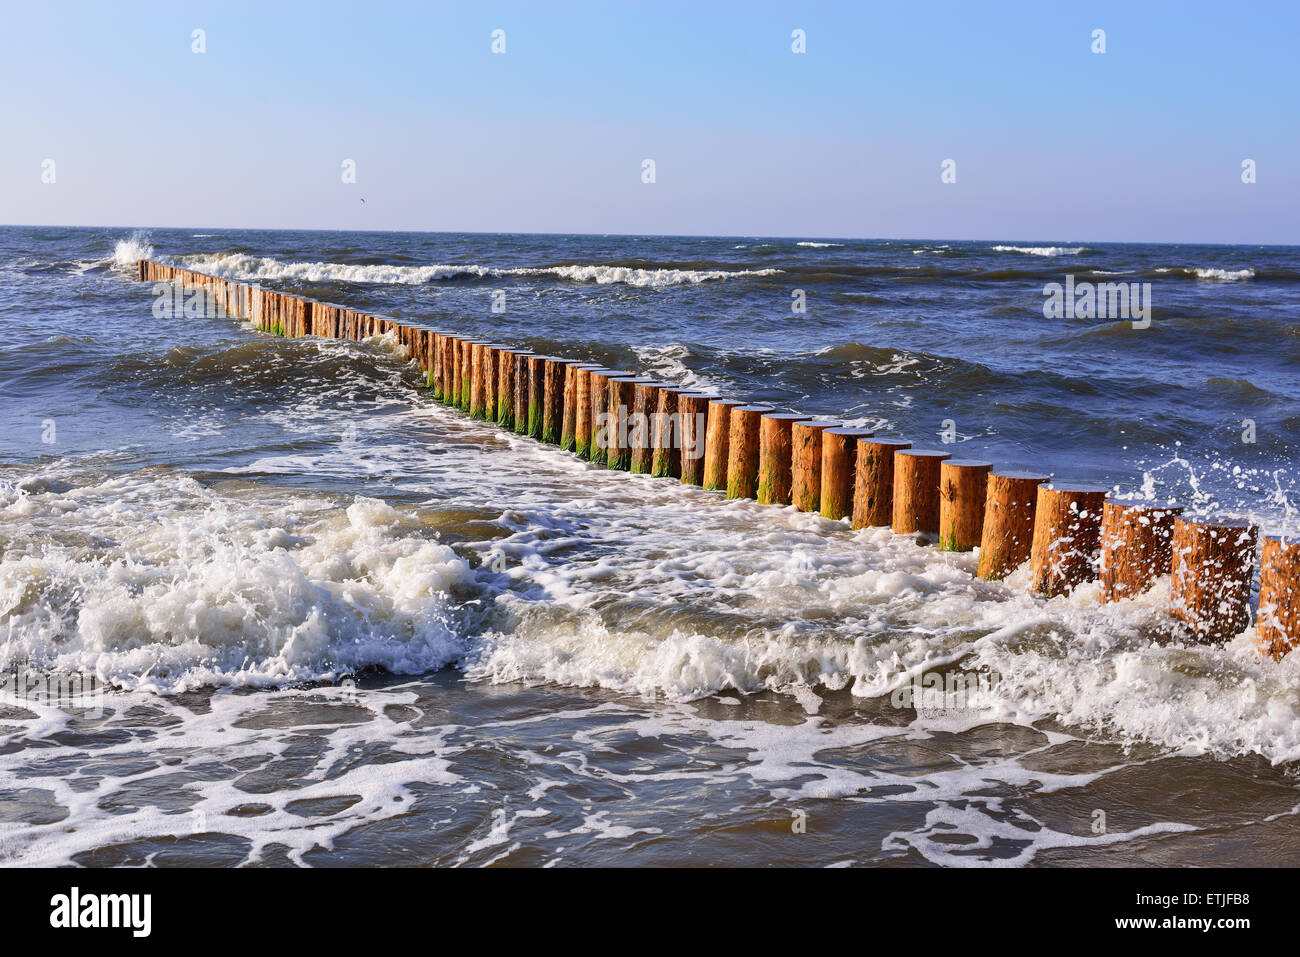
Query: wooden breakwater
{"x":1069,"y":534}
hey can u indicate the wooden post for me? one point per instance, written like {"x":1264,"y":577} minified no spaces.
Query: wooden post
{"x":477,"y":380}
{"x":666,"y":437}
{"x":406,"y":336}
{"x":457,"y":345}
{"x":693,"y":414}
{"x":450,"y":376}
{"x":1008,"y":534}
{"x":717,"y":438}
{"x":492,"y":380}
{"x":742,"y":450}
{"x":1137,"y":547}
{"x":806,"y":463}
{"x":1067,"y":534}
{"x":467,"y":373}
{"x":873,"y":487}
{"x":775,"y":457}
{"x":568,"y":416}
{"x":553,"y":399}
{"x":1279,"y":596}
{"x":536,"y":394}
{"x":506,"y":385}
{"x":916,"y":490}
{"x":839,"y":468}
{"x":1212,"y":568}
{"x":600,"y":424}
{"x":963,"y":484}
{"x":622,"y":392}
{"x":523,"y":391}
{"x":645,"y":400}
{"x":583,"y":417}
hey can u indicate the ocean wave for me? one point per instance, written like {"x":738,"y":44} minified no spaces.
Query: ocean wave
{"x":1225,"y":275}
{"x":813,"y":245}
{"x":136,"y":246}
{"x":1209,"y":273}
{"x":1042,"y":250}
{"x":159,"y":583}
{"x":182,"y":589}
{"x":603,"y":275}
{"x":242,"y":266}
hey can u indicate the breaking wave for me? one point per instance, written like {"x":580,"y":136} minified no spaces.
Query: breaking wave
{"x":1042,"y":250}
{"x":241,"y":266}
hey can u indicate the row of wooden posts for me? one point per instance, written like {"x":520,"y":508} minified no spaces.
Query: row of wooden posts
{"x":1070,"y":534}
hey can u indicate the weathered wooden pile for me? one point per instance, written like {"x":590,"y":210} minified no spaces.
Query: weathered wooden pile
{"x":1070,"y":534}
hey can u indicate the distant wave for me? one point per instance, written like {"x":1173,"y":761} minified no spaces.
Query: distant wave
{"x":1209,"y":273}
{"x":240,"y":266}
{"x":604,"y":275}
{"x":818,"y":245}
{"x":1041,"y":250}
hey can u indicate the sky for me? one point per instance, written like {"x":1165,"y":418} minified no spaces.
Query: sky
{"x":1048,"y":139}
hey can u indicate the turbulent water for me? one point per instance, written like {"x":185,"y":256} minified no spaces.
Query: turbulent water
{"x":313,"y":617}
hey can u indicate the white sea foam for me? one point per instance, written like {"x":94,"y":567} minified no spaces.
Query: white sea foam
{"x":668,"y":363}
{"x":136,"y":246}
{"x":195,"y":590}
{"x":226,"y":731}
{"x":818,"y":245}
{"x":590,"y":578}
{"x":1210,"y":273}
{"x":240,"y":266}
{"x":1041,"y":250}
{"x":1225,"y":275}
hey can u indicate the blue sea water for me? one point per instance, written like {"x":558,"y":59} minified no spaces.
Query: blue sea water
{"x":334,"y":621}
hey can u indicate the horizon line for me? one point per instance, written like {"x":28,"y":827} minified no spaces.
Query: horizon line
{"x":797,"y":237}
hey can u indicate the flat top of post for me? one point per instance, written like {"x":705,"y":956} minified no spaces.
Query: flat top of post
{"x":1080,"y":488}
{"x":894,"y":443}
{"x":1027,"y":476}
{"x":848,"y":430}
{"x":968,"y":464}
{"x":787,"y":416}
{"x":1146,"y":506}
{"x":926,"y":453}
{"x":1217,"y":521}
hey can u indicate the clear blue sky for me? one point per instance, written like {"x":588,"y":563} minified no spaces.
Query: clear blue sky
{"x":1051,"y":141}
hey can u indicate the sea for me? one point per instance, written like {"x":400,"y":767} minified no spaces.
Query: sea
{"x":264,"y":602}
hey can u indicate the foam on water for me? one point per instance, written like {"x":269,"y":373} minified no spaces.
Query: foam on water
{"x":1041,"y":250}
{"x":331,"y":523}
{"x":246,"y":267}
{"x":1209,"y":273}
{"x":160,"y":584}
{"x":135,"y":247}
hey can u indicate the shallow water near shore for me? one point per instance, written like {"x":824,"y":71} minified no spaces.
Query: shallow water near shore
{"x":331,"y":622}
